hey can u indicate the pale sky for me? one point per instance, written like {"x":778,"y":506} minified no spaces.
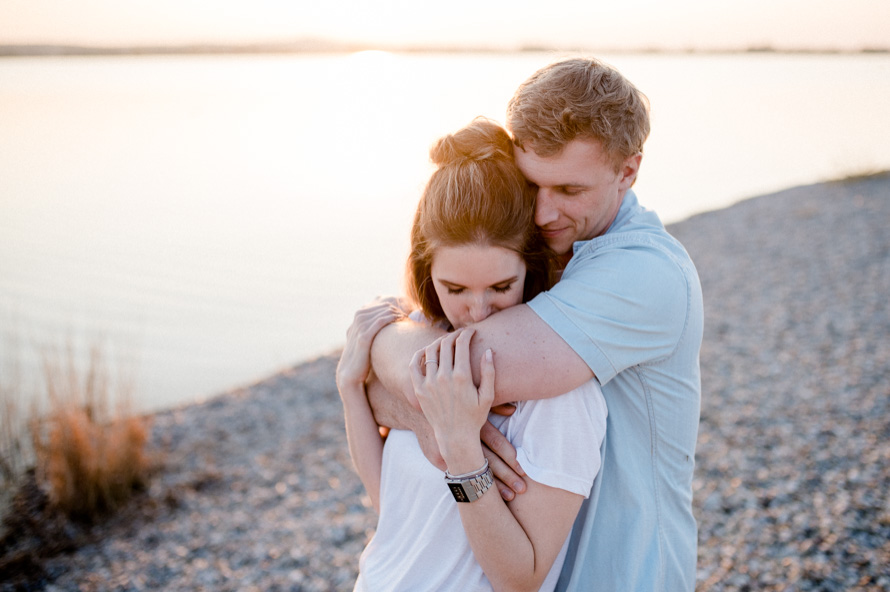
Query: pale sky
{"x":718,"y":24}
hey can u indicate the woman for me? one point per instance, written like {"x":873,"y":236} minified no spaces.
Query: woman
{"x":474,"y":251}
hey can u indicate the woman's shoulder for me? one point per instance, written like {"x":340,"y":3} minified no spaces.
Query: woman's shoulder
{"x":586,"y":399}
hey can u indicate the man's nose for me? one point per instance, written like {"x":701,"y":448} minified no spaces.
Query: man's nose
{"x":545,"y":212}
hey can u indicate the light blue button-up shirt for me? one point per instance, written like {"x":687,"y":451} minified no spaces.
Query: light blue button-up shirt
{"x":630,"y":304}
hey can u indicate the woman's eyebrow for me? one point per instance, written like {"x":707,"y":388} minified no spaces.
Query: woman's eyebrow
{"x":450,"y":284}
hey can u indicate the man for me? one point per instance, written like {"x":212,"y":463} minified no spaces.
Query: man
{"x":627,"y":312}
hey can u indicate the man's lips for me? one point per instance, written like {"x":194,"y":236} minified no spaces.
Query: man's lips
{"x":551,"y":232}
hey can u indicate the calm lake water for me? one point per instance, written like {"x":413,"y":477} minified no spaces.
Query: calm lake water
{"x":212,"y":220}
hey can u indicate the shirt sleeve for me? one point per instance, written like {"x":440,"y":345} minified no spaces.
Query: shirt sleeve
{"x":618,"y":305}
{"x":558,"y":439}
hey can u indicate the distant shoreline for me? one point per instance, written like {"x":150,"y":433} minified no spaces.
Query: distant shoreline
{"x":313,"y":46}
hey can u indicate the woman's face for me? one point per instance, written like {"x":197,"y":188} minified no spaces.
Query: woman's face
{"x":472,"y":281}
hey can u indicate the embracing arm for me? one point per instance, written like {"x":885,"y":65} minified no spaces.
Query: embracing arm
{"x":365,"y":443}
{"x":516,"y":543}
{"x":389,"y":387}
{"x":396,"y":407}
{"x":362,"y":434}
{"x":391,"y":395}
{"x":532,"y":360}
{"x":397,"y":413}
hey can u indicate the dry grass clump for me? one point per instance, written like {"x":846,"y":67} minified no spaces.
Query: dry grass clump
{"x":15,"y":452}
{"x":89,"y":448}
{"x":13,"y":433}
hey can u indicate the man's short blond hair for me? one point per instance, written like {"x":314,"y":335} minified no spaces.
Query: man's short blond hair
{"x":579,"y":98}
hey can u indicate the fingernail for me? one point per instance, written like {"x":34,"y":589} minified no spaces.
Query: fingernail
{"x":518,"y":486}
{"x":488,"y":354}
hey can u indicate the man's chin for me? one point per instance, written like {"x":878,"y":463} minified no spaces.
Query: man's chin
{"x":560,"y":247}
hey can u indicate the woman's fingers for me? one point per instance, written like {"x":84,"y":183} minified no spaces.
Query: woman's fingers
{"x":462,"y":351}
{"x":392,"y":305}
{"x":355,"y":361}
{"x":486,"y":385}
{"x":431,"y":357}
{"x":370,"y":320}
{"x":381,"y":319}
{"x":392,"y":302}
{"x":446,"y":351}
{"x":416,"y":369}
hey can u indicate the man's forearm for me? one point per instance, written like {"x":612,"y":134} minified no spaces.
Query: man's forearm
{"x":524,"y":370}
{"x":392,"y":410}
{"x":391,"y":353}
{"x":389,"y":387}
{"x":531,"y":361}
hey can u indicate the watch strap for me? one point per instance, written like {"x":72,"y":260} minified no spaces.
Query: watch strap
{"x":470,"y":486}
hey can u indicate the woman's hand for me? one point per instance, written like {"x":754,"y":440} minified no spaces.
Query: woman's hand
{"x":456,"y":409}
{"x":355,"y":361}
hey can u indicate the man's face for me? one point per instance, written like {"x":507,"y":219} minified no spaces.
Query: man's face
{"x":579,"y":192}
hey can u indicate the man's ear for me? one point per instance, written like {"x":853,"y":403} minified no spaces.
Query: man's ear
{"x":629,"y":169}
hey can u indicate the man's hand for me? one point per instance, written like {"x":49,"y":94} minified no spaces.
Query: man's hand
{"x":501,"y":457}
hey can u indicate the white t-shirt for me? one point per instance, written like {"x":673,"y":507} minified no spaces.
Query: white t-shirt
{"x":420,"y":542}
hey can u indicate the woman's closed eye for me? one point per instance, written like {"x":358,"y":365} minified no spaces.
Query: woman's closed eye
{"x":497,"y":288}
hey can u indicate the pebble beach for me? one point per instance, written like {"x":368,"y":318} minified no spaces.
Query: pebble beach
{"x":256,"y":491}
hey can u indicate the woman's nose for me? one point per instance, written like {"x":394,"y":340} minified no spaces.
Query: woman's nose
{"x":479,"y":309}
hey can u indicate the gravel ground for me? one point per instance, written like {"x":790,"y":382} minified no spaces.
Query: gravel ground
{"x":793,"y":462}
{"x":793,"y":456}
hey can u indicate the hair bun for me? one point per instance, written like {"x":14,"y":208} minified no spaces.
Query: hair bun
{"x":482,"y":139}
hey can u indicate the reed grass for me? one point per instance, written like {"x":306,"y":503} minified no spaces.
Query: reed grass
{"x":15,"y":452}
{"x":13,"y":434}
{"x":90,"y":449}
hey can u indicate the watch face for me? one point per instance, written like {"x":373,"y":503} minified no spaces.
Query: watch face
{"x":458,"y":492}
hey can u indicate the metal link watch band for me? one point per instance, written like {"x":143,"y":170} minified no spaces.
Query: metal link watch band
{"x":471,"y":486}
